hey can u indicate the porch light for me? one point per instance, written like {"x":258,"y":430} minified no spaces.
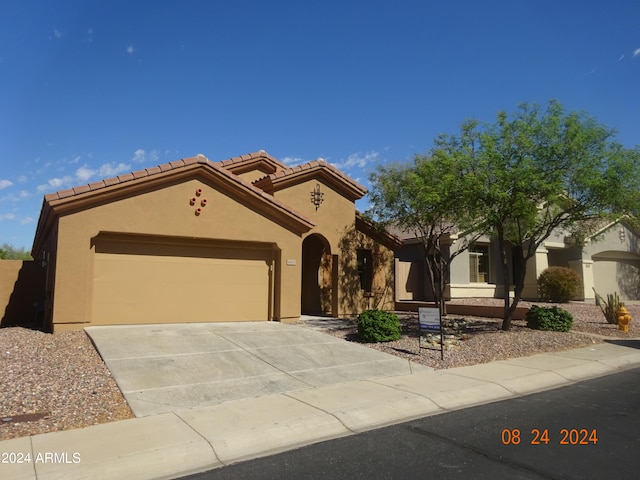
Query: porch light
{"x":317,"y":197}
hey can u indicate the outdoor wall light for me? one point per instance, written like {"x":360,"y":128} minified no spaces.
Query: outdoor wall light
{"x":317,"y":197}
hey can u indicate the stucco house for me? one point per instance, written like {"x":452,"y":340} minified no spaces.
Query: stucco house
{"x":608,"y":261}
{"x":244,"y":239}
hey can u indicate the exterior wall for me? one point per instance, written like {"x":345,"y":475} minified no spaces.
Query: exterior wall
{"x":167,"y":212}
{"x":616,"y":262}
{"x":335,"y":222}
{"x":22,"y":293}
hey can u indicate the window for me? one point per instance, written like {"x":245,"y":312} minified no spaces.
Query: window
{"x":365,"y":269}
{"x":479,"y":264}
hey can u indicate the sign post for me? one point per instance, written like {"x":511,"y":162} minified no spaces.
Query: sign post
{"x":429,"y":321}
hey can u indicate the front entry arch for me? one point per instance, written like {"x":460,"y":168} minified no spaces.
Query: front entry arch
{"x":317,"y":276}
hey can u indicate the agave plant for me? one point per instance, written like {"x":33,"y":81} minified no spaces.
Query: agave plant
{"x":609,"y":307}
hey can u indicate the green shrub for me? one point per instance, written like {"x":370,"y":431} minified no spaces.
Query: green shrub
{"x":555,"y":319}
{"x":609,"y":307}
{"x":559,"y":284}
{"x":378,"y":326}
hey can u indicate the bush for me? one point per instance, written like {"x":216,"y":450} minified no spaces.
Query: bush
{"x":559,"y":284}
{"x":378,"y":326}
{"x":555,"y":319}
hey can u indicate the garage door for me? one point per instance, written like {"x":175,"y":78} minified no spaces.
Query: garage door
{"x":161,"y":283}
{"x":617,"y":272}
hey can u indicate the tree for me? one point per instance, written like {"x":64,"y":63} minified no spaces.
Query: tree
{"x":9,"y":252}
{"x":424,"y":197}
{"x":538,"y":170}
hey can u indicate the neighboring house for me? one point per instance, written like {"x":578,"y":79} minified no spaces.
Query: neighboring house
{"x":244,"y":239}
{"x":609,"y":261}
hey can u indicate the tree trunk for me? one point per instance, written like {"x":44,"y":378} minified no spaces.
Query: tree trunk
{"x":507,"y":310}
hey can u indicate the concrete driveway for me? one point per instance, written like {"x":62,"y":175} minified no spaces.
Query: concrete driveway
{"x":169,"y":367}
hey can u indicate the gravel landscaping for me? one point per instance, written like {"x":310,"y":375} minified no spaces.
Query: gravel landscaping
{"x":59,"y":382}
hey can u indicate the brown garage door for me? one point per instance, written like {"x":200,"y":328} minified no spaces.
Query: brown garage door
{"x":146,"y":282}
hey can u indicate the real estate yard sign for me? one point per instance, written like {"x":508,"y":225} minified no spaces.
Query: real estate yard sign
{"x":430,"y":323}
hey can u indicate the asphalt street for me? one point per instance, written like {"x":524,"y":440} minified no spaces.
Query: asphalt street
{"x":589,"y":430}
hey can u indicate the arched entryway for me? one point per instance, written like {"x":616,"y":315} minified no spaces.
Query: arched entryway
{"x":317,"y":275}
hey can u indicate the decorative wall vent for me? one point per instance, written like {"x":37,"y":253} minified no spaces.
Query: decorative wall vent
{"x":194,"y":200}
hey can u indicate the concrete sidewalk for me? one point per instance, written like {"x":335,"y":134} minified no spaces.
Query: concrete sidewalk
{"x":177,"y":443}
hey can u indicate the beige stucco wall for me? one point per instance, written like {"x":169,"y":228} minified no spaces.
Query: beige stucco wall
{"x":335,"y":221}
{"x":166,"y":211}
{"x":21,"y":293}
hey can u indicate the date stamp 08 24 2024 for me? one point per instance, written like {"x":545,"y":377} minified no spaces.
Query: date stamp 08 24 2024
{"x":40,"y":457}
{"x":568,"y":436}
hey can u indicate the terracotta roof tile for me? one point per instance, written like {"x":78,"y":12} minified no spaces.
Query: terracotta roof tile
{"x":81,"y":189}
{"x":303,"y":169}
{"x":200,"y":159}
{"x":125,"y":177}
{"x":139,"y":173}
{"x":66,"y":193}
{"x":111,"y":181}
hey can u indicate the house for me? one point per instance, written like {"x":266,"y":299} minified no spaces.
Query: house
{"x":244,"y":239}
{"x":609,"y":261}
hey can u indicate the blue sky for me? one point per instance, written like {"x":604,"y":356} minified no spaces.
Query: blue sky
{"x":92,"y":89}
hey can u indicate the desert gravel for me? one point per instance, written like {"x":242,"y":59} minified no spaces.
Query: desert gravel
{"x":59,"y":382}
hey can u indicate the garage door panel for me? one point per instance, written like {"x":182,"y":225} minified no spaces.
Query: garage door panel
{"x":141,"y":288}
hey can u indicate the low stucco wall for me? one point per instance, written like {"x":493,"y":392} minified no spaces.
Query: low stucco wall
{"x":21,"y":293}
{"x":486,"y":311}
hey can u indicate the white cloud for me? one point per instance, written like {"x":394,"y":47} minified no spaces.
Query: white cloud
{"x":292,"y":161}
{"x":12,"y":197}
{"x":5,"y":184}
{"x":75,"y":159}
{"x":26,"y":220}
{"x":131,"y":50}
{"x":7,"y":216}
{"x":54,"y":184}
{"x":84,"y":173}
{"x":636,"y":52}
{"x":22,"y":178}
{"x":357,"y":160}
{"x":109,"y":170}
{"x":139,"y":156}
{"x":57,"y":33}
{"x":621,"y":57}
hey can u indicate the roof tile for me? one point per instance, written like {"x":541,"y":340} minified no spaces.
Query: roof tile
{"x":66,"y":193}
{"x":97,"y":185}
{"x":81,"y":189}
{"x":153,"y":170}
{"x":139,"y":173}
{"x":125,"y":178}
{"x":111,"y":181}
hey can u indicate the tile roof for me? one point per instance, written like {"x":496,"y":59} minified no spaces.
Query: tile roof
{"x":306,"y":169}
{"x":52,"y":200}
{"x":235,"y":162}
{"x":127,"y":177}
